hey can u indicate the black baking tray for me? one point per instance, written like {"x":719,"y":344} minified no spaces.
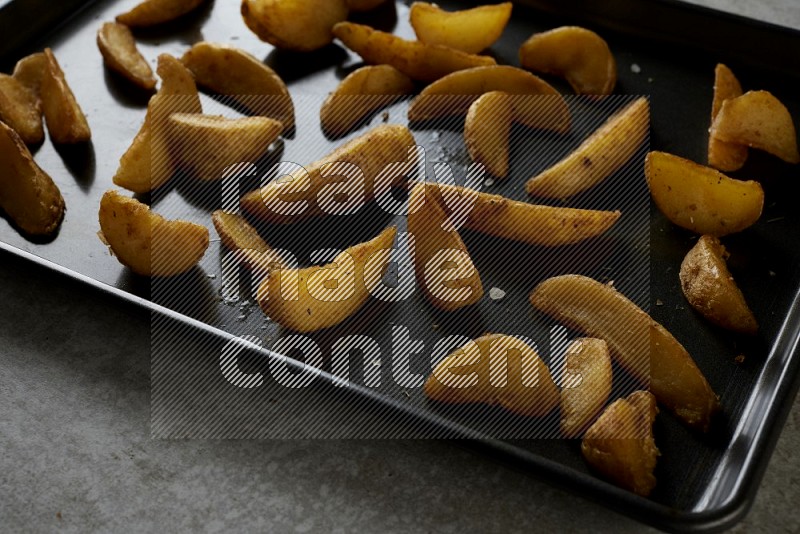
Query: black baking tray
{"x":705,"y":483}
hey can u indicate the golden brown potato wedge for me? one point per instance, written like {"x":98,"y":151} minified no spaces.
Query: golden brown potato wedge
{"x":470,"y":30}
{"x":620,"y":444}
{"x":29,"y":71}
{"x":419,"y":61}
{"x":65,"y":119}
{"x":299,"y":196}
{"x":310,"y":299}
{"x":360,"y":94}
{"x":301,"y":25}
{"x":700,"y":198}
{"x":599,"y":156}
{"x":498,"y":370}
{"x":118,"y":48}
{"x":640,"y":345}
{"x":205,"y":145}
{"x":146,"y":242}
{"x":759,"y":120}
{"x":230,"y":71}
{"x":586,"y":386}
{"x":442,"y":265}
{"x":536,"y":103}
{"x":487,"y":131}
{"x":579,"y":55}
{"x":247,"y":245}
{"x":364,"y":5}
{"x":709,"y":287}
{"x":153,"y":12}
{"x":726,"y":157}
{"x":20,"y":110}
{"x":28,"y":195}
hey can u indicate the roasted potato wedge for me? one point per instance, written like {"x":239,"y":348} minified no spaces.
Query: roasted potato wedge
{"x":470,"y":375}
{"x":487,"y":130}
{"x":700,"y":198}
{"x":442,"y":265}
{"x":759,"y":120}
{"x":579,"y":55}
{"x":726,"y":157}
{"x":247,"y":245}
{"x":28,"y":195}
{"x":301,"y":25}
{"x":374,"y":153}
{"x":206,"y":145}
{"x":65,"y":119}
{"x":364,"y":5}
{"x":417,"y":60}
{"x":599,"y":156}
{"x":153,"y":12}
{"x":709,"y":287}
{"x":146,"y":242}
{"x":233,"y":72}
{"x":20,"y":110}
{"x":640,"y":345}
{"x":620,"y":444}
{"x":470,"y":30}
{"x":118,"y":48}
{"x":360,"y":94}
{"x":455,"y":93}
{"x":586,"y":386}
{"x":29,"y":71}
{"x":310,"y":299}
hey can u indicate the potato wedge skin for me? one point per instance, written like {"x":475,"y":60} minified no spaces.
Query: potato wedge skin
{"x":28,"y":195}
{"x":726,"y":157}
{"x":65,"y":120}
{"x":419,"y":61}
{"x":230,"y":71}
{"x":470,"y":30}
{"x":487,"y":130}
{"x":709,"y":287}
{"x":700,"y":198}
{"x":309,"y":314}
{"x":522,"y":398}
{"x":759,"y":120}
{"x":118,"y":48}
{"x":153,"y":12}
{"x":301,"y":25}
{"x":637,"y":342}
{"x":598,"y":157}
{"x":360,"y":94}
{"x":29,"y":71}
{"x":21,"y":110}
{"x":364,"y":5}
{"x":577,"y":54}
{"x":587,"y":384}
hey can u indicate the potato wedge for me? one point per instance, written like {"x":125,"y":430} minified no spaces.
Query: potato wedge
{"x":640,"y":345}
{"x":147,"y":164}
{"x":620,"y":444}
{"x":246,"y":244}
{"x":455,"y":93}
{"x":419,"y":61}
{"x":759,"y":120}
{"x":206,"y":145}
{"x":469,"y":30}
{"x":487,"y":131}
{"x":118,"y":48}
{"x":363,"y":92}
{"x":28,"y":195}
{"x":310,"y":299}
{"x":444,"y":271}
{"x":709,"y":287}
{"x":65,"y":119}
{"x":147,"y":243}
{"x":700,"y":198}
{"x":726,"y":157}
{"x":364,"y":5}
{"x":497,"y":370}
{"x":301,"y":25}
{"x":29,"y":71}
{"x":586,"y":386}
{"x":230,"y":71}
{"x":153,"y":12}
{"x":300,"y":195}
{"x":599,"y":156}
{"x":579,"y":55}
{"x":21,"y":110}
